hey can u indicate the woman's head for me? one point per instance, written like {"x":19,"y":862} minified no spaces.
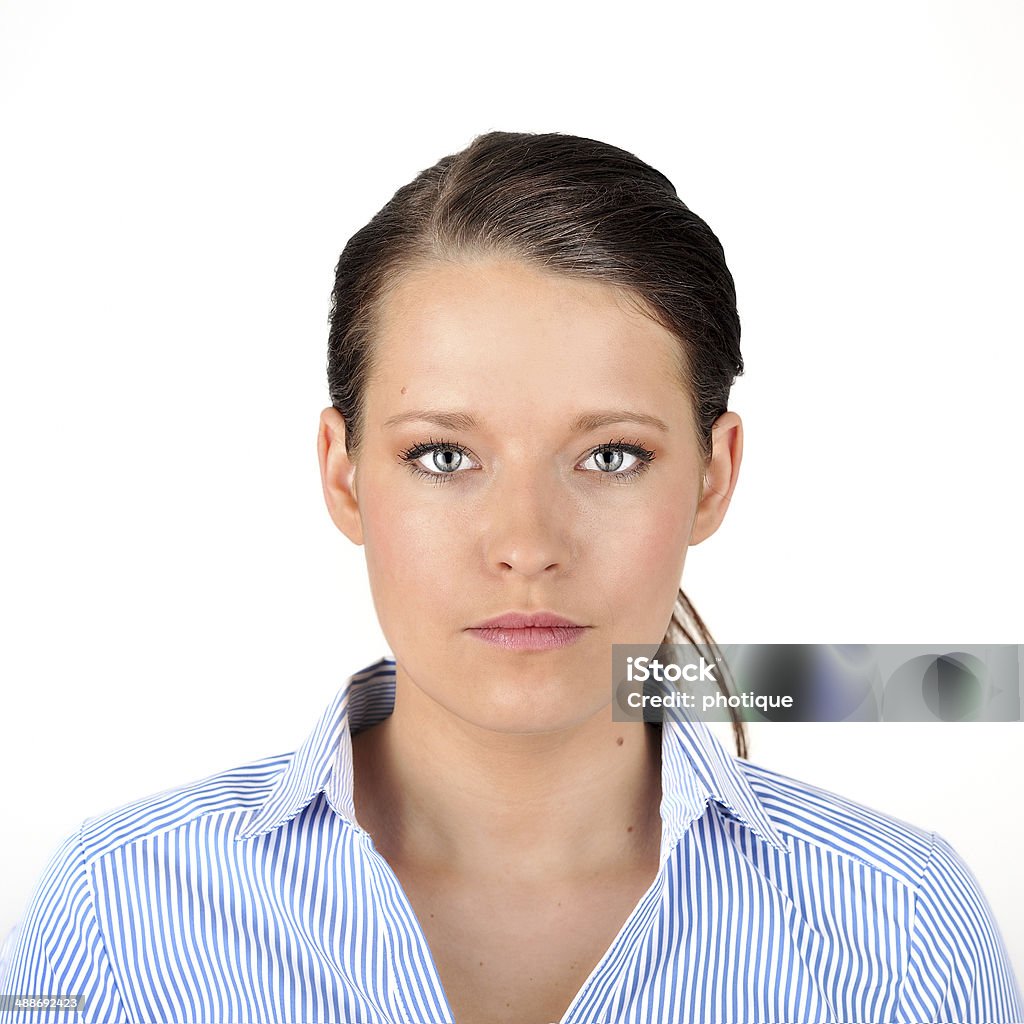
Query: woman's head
{"x":531,"y":281}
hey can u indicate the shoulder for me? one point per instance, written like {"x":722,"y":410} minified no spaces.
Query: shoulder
{"x":58,"y":947}
{"x":233,"y":792}
{"x":955,"y":964}
{"x":831,"y":823}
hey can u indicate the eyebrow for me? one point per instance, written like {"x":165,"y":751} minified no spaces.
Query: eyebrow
{"x":581,"y":424}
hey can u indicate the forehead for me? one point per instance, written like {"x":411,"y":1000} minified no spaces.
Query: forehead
{"x":502,"y":331}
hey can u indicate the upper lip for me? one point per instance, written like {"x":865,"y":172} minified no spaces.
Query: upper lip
{"x":521,"y":620}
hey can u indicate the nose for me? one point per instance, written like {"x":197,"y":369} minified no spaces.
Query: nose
{"x":527,"y":523}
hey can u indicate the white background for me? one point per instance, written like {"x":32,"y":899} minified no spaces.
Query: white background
{"x":177,"y":182}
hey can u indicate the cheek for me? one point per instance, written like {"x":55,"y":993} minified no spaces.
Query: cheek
{"x":411,"y":552}
{"x":643,"y":562}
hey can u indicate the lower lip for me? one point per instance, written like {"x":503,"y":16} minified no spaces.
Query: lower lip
{"x":530,"y":638}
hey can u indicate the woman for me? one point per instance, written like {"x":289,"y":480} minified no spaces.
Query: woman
{"x":531,"y":352}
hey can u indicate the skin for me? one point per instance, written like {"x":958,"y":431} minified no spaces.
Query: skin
{"x":500,"y":788}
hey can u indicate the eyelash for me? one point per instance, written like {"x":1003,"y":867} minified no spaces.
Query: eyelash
{"x":644,"y":456}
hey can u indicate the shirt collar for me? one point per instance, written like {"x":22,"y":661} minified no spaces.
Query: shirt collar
{"x":696,"y":768}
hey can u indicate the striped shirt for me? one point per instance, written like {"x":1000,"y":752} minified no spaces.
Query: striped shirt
{"x":253,"y":895}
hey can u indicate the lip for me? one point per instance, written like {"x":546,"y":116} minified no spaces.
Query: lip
{"x":528,"y":631}
{"x":524,"y":620}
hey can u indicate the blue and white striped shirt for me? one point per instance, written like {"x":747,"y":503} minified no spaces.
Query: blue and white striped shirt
{"x":253,"y":895}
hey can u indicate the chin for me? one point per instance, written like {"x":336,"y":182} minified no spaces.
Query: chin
{"x":516,"y":707}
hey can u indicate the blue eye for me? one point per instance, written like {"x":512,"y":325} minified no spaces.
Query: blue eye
{"x":610,"y":457}
{"x":445,"y":459}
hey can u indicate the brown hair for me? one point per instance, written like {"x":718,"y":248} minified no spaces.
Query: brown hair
{"x":574,"y":206}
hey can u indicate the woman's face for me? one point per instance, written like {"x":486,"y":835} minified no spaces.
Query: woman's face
{"x":521,"y":504}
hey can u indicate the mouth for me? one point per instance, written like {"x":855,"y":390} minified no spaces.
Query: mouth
{"x":528,"y":631}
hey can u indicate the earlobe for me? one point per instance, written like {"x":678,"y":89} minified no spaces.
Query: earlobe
{"x":720,"y":476}
{"x":337,"y":475}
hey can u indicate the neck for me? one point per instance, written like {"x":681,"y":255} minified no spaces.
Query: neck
{"x":435,"y":790}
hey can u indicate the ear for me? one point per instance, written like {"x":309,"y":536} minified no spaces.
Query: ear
{"x":720,"y":477}
{"x":337,"y":474}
